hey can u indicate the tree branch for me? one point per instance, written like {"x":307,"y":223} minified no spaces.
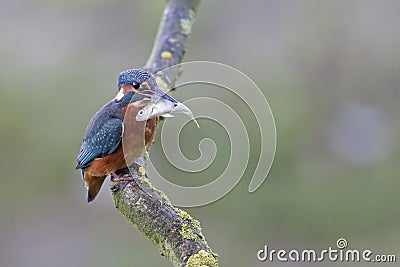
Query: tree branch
{"x":177,"y":235}
{"x":170,"y":44}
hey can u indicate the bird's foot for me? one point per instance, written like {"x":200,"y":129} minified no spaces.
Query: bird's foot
{"x":116,"y":178}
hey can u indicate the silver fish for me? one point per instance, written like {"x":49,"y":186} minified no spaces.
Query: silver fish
{"x":164,"y":107}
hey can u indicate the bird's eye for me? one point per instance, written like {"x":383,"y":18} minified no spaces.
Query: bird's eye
{"x":141,"y":112}
{"x":135,"y":85}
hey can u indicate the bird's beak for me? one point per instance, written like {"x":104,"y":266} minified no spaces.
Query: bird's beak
{"x":181,"y":108}
{"x":177,"y":106}
{"x":164,"y":95}
{"x":166,"y":106}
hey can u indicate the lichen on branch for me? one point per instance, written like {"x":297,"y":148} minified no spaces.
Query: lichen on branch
{"x":177,"y":235}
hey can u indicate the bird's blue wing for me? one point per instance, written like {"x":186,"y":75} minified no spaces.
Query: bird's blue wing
{"x":100,"y":140}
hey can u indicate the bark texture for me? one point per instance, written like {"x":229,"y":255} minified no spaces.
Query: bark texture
{"x":177,"y":235}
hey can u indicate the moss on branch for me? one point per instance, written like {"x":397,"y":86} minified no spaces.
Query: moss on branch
{"x":173,"y":231}
{"x":177,"y":235}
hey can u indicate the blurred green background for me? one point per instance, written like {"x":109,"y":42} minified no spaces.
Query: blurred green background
{"x":331,"y":73}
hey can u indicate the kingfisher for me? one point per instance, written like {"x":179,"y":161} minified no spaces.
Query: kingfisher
{"x":114,"y":138}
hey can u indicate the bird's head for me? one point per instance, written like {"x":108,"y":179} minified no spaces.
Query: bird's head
{"x":141,"y":82}
{"x":143,"y":86}
{"x":134,"y":80}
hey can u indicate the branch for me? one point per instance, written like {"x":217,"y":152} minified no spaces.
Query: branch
{"x":170,"y":44}
{"x":177,"y":235}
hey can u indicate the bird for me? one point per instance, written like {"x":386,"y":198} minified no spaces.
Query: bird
{"x":114,"y":139}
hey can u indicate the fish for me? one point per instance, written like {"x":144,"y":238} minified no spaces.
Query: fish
{"x":164,"y":107}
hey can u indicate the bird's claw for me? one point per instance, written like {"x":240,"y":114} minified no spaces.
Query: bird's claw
{"x":116,"y":178}
{"x":123,"y":179}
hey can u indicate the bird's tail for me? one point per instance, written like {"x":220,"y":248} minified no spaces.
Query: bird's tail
{"x":93,"y":185}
